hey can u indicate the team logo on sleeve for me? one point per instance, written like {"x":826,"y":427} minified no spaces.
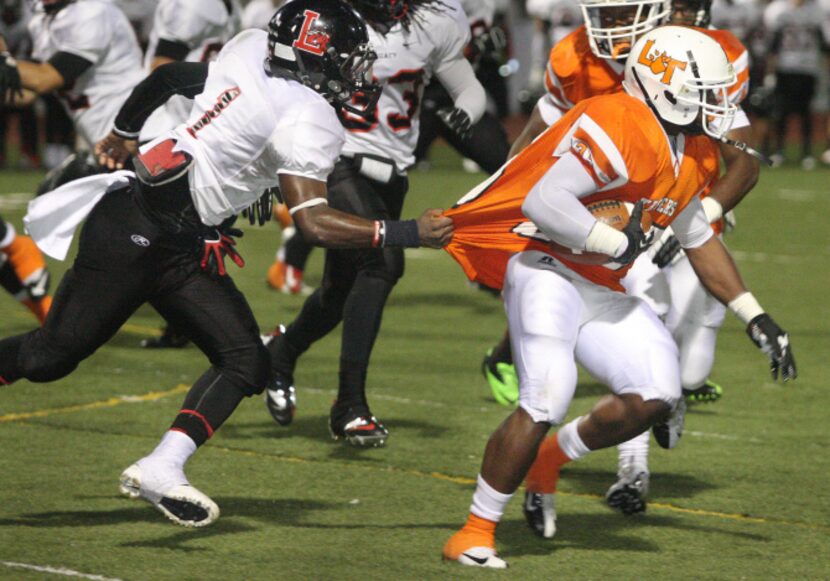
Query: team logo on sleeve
{"x":581,"y":148}
{"x":660,"y":63}
{"x":314,"y":42}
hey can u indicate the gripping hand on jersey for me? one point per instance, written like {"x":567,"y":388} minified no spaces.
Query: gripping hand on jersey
{"x":217,"y":245}
{"x":638,"y":241}
{"x":10,"y":84}
{"x":774,"y":342}
{"x":457,"y":120}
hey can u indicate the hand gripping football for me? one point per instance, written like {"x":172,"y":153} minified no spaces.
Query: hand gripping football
{"x":615,"y":213}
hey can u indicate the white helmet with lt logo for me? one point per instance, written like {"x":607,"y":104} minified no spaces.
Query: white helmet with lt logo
{"x":683,"y":75}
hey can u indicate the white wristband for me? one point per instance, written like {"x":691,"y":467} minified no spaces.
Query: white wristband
{"x":745,"y":307}
{"x":712,"y":208}
{"x":606,"y":240}
{"x":307,"y":204}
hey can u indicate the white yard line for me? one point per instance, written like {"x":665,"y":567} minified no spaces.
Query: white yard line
{"x":15,"y":201}
{"x":56,"y":571}
{"x":722,"y":437}
{"x":743,"y":256}
{"x":797,"y":195}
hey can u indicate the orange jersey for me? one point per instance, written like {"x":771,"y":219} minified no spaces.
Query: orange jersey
{"x":625,"y":150}
{"x":736,"y":54}
{"x":574,"y":73}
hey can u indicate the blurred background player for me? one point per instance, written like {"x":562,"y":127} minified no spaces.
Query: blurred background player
{"x":87,"y":54}
{"x":797,"y":55}
{"x":486,"y":143}
{"x":190,"y":31}
{"x":23,"y":272}
{"x":414,"y":40}
{"x":14,"y":20}
{"x":258,"y":13}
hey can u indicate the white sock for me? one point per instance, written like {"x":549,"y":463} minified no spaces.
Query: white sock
{"x":634,"y":451}
{"x":488,"y":502}
{"x":570,"y":442}
{"x":175,"y":449}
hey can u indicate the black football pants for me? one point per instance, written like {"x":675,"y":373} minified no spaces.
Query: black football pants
{"x":126,"y":259}
{"x":355,"y":286}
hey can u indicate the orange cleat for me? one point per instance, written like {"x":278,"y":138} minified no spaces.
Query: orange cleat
{"x":285,"y":278}
{"x":474,"y":545}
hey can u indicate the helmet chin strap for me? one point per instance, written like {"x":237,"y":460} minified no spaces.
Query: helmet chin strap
{"x":742,"y":146}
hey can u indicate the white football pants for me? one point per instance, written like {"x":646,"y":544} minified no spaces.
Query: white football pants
{"x":557,"y":319}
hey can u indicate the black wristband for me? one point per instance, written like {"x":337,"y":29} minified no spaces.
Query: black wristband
{"x":402,"y":233}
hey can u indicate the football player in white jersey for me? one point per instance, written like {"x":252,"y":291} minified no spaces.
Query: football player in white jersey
{"x":414,"y":40}
{"x":265,"y":114}
{"x":258,"y":13}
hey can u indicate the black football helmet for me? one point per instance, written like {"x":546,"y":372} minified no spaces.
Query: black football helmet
{"x":691,"y":12}
{"x":324,"y":45}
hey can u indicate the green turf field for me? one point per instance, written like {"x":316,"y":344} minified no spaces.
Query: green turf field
{"x":744,"y":496}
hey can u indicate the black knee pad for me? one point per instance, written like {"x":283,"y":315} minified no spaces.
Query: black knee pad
{"x":248,"y":368}
{"x":43,"y":359}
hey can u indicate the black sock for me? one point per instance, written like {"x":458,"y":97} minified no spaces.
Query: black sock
{"x":207,"y":405}
{"x":297,"y":251}
{"x":502,"y":352}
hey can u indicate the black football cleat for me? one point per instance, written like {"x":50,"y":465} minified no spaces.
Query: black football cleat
{"x":281,"y":399}
{"x":362,"y":430}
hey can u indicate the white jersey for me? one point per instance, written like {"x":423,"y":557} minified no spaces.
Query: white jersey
{"x":100,"y":33}
{"x":258,"y":13}
{"x":479,"y":11}
{"x":407,"y":60}
{"x":204,"y":26}
{"x":246,"y":128}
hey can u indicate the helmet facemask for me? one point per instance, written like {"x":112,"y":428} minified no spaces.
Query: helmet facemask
{"x":613,"y":26}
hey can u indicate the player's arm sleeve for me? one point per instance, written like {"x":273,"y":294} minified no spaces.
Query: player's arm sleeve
{"x":309,"y":145}
{"x":459,"y":79}
{"x":70,"y":66}
{"x":691,"y":226}
{"x":554,"y":205}
{"x":187,"y":79}
{"x":172,"y":49}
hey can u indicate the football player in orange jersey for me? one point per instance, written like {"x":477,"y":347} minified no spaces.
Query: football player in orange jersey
{"x":581,"y":66}
{"x":645,"y":146}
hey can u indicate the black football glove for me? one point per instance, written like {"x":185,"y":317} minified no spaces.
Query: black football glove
{"x":638,"y":241}
{"x":217,"y":245}
{"x":668,"y":251}
{"x":774,"y":342}
{"x":457,"y":120}
{"x":10,"y":84}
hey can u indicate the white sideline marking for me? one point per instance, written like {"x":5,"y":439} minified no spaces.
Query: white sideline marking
{"x":57,"y":571}
{"x":722,"y":437}
{"x":403,"y":400}
{"x":797,"y":195}
{"x":15,"y":201}
{"x":744,"y":256}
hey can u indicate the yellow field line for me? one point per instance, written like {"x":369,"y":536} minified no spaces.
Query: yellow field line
{"x":107,"y":403}
{"x":464,"y":480}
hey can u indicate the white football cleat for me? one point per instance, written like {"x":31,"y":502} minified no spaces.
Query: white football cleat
{"x":540,"y":512}
{"x":482,"y":557}
{"x":181,"y":503}
{"x":668,"y":433}
{"x":628,"y":494}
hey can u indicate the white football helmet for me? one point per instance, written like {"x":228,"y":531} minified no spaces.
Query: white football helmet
{"x":613,"y":26}
{"x":683,"y":75}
